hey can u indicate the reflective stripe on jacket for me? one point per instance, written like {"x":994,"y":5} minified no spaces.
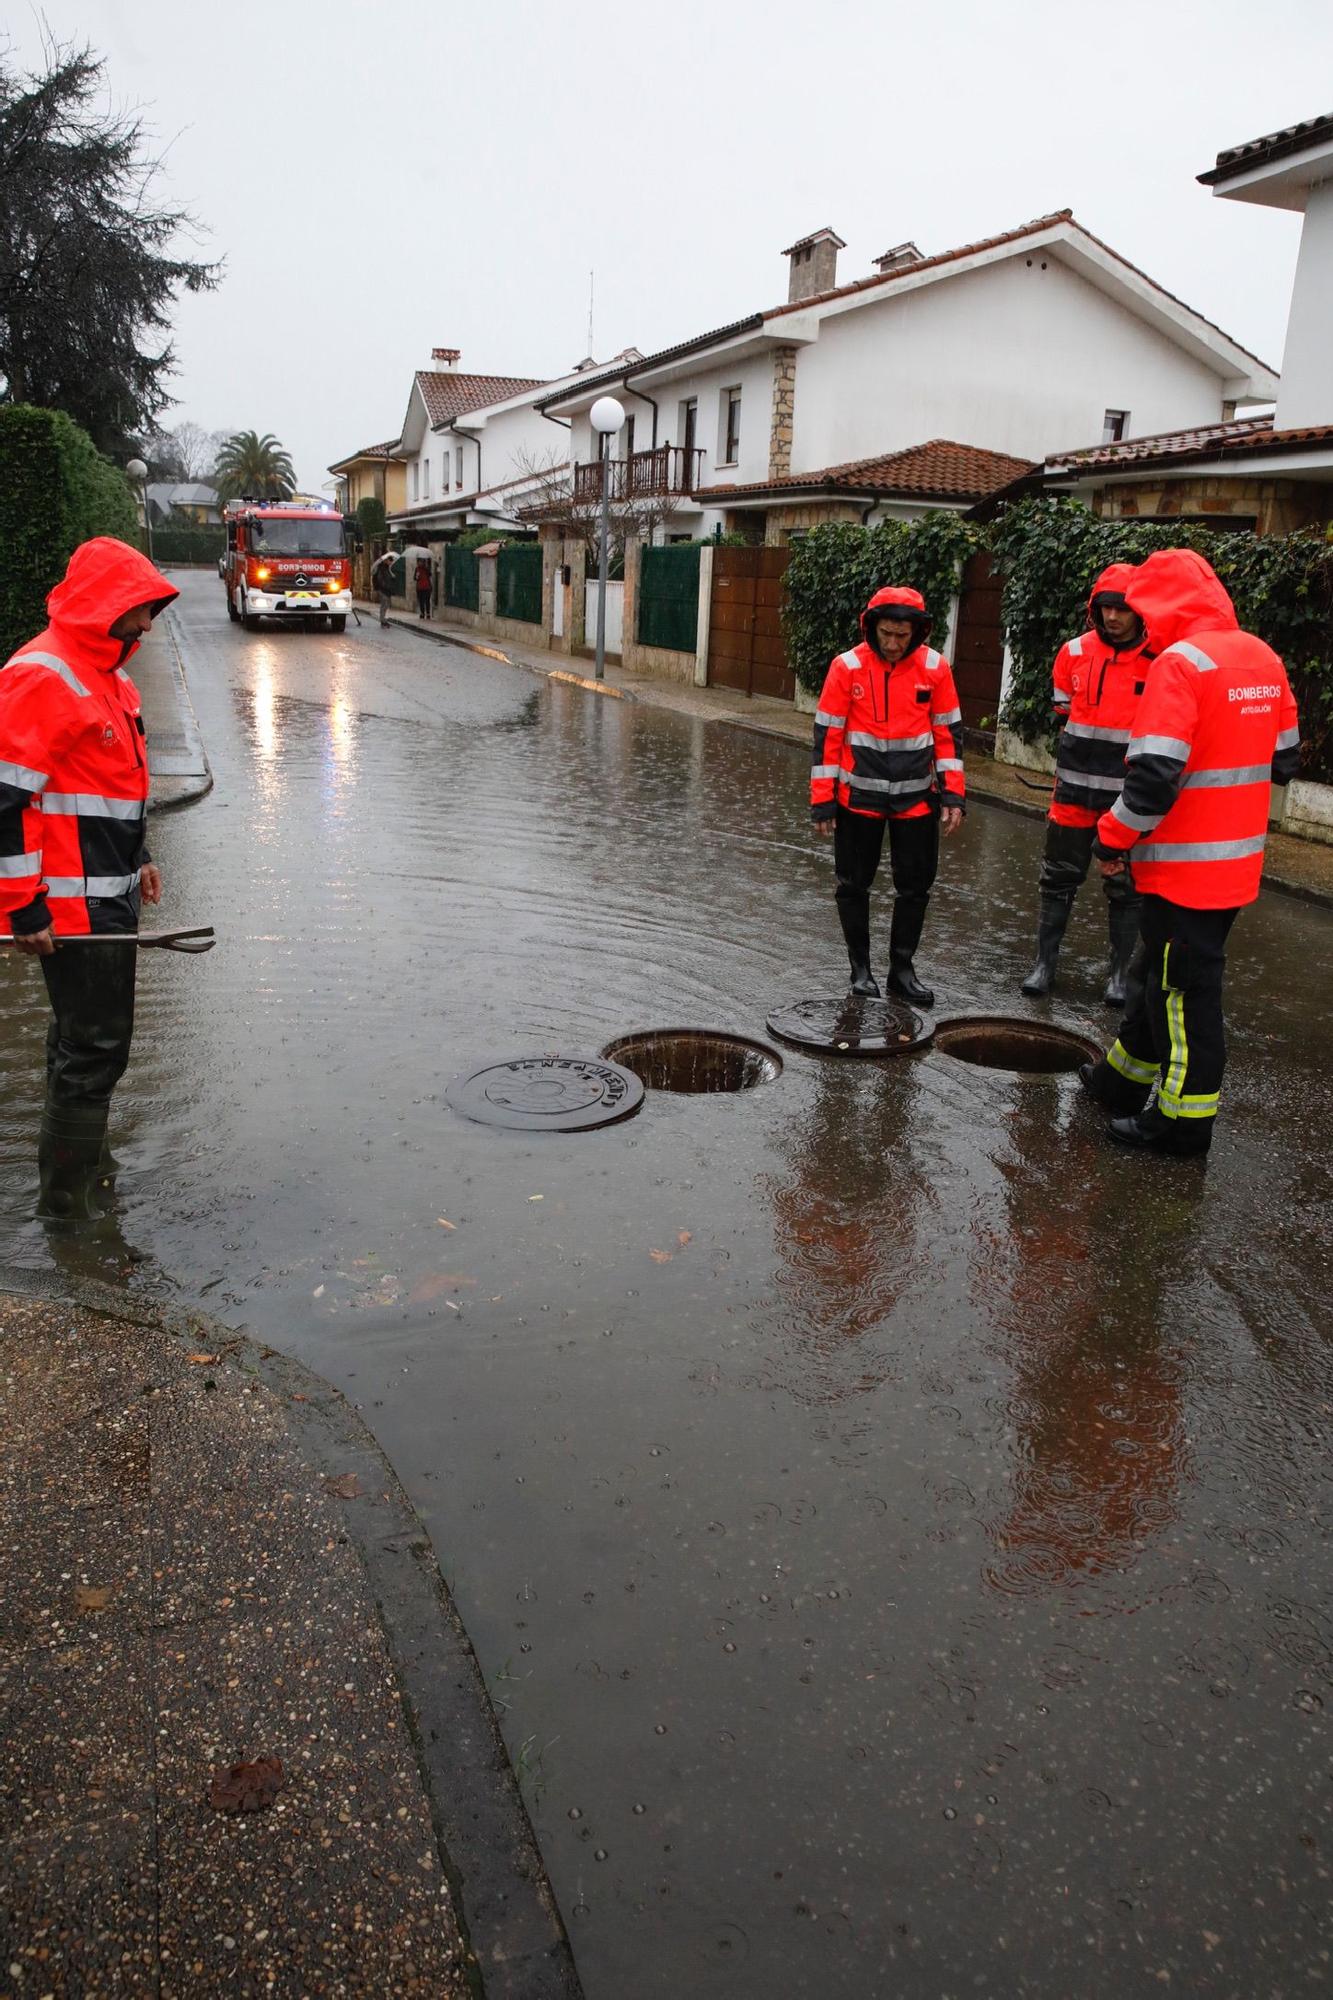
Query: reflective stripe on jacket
{"x":886,"y":738}
{"x":1215,"y":725}
{"x":73,"y":761}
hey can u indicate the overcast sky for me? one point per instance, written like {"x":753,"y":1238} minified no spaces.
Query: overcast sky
{"x":382,"y":180}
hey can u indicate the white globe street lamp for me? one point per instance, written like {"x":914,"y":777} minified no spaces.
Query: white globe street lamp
{"x":138,"y":472}
{"x":606,"y":416}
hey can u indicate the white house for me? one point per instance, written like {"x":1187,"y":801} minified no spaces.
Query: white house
{"x":1272,"y":472}
{"x":1011,"y":346}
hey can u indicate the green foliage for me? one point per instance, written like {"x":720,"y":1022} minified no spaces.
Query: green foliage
{"x":835,"y":570}
{"x":370,"y":517}
{"x":88,"y":274}
{"x":184,"y":541}
{"x":479,"y":538}
{"x":1051,"y":551}
{"x":55,"y":492}
{"x":254,"y":465}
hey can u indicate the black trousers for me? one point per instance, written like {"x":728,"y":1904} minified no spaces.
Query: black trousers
{"x":1173,"y":1034}
{"x":914,"y":857}
{"x":423,"y":602}
{"x":91,"y":990}
{"x":1066,"y":860}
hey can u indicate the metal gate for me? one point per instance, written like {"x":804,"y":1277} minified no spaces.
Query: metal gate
{"x":669,"y":597}
{"x":978,"y":649}
{"x":746,"y":649}
{"x":518,"y":582}
{"x":460,"y":579}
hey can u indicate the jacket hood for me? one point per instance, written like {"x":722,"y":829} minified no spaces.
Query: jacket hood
{"x":896,"y":600}
{"x":1110,"y":589}
{"x":104,"y":580}
{"x":1114,"y":578}
{"x":1175,"y":592}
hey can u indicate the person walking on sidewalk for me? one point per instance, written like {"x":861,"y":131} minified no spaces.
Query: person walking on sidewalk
{"x":1215,"y":726}
{"x":423,"y":586}
{"x":1098,"y":678}
{"x":886,"y":756}
{"x":381,"y":576}
{"x":73,"y":859}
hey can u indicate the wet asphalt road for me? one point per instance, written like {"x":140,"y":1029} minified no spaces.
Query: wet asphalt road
{"x":914,"y":1577}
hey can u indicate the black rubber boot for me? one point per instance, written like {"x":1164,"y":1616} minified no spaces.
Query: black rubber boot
{"x":909,"y":916}
{"x":69,"y":1149}
{"x":1150,"y":1133}
{"x":1051,"y":925}
{"x":1122,"y":922}
{"x":1114,"y":1092}
{"x":856,"y":934}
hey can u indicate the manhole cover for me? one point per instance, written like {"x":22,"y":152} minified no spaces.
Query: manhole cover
{"x":547,"y":1093}
{"x":695,"y":1059}
{"x":851,"y":1026}
{"x":1011,"y":1042}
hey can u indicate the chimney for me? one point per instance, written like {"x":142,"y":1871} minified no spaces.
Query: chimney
{"x":814,"y":265}
{"x":898,"y":258}
{"x":446,"y":358}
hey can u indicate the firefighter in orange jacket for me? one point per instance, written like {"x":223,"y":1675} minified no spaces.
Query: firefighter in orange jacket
{"x":1098,"y":678}
{"x":1216,"y":725}
{"x":886,"y":755}
{"x":73,"y":801}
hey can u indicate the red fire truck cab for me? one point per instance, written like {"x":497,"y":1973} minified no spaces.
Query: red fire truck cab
{"x":286,"y":560}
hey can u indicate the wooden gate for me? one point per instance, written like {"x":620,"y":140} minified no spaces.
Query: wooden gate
{"x":745,"y":644}
{"x":978,"y":648}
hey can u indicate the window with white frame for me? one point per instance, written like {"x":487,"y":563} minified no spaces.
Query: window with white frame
{"x":729,"y":426}
{"x":1115,"y":425}
{"x":458,"y":467}
{"x":425,"y":479}
{"x":416,"y":478}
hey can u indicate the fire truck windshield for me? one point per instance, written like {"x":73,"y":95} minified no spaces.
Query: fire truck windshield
{"x":274,"y":537}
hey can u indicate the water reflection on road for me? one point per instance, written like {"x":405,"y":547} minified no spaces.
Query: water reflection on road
{"x":892,"y":1524}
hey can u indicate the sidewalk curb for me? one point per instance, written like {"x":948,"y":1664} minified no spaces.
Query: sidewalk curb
{"x":185,"y":790}
{"x":485,"y":1840}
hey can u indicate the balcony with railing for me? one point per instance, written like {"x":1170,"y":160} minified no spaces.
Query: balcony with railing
{"x":666,"y":470}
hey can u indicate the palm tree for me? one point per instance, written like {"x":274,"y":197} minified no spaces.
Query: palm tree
{"x":250,"y":464}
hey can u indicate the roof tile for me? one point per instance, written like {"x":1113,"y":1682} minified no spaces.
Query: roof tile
{"x":448,"y":394}
{"x":939,"y":470}
{"x":1239,"y":434}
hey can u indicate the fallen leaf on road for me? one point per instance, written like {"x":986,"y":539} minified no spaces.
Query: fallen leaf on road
{"x":660,"y":1256}
{"x":246,"y":1787}
{"x":445,"y":1223}
{"x":92,"y":1597}
{"x":433,"y":1286}
{"x":683,"y":1236}
{"x":536,"y":1197}
{"x":318,"y":1292}
{"x":345,"y":1486}
{"x":204,"y":1360}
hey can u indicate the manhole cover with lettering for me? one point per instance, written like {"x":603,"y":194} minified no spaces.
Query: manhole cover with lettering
{"x":547,"y":1093}
{"x":851,"y":1026}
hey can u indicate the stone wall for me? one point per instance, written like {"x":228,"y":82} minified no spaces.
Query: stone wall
{"x":784,"y":412}
{"x":781,"y":521}
{"x":1278,"y":505}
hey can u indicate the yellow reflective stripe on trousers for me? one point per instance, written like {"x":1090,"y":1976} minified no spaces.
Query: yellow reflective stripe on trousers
{"x":1172,"y":1101}
{"x":1129,"y":1066}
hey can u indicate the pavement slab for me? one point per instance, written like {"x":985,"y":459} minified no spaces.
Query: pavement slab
{"x":181,"y":1594}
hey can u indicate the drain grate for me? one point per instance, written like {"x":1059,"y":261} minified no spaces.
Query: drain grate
{"x":1009,"y":1042}
{"x":696,"y":1060}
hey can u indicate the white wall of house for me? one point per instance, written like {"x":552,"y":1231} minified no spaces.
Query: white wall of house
{"x":1020,"y":356}
{"x":753,"y":376}
{"x":1306,"y":394}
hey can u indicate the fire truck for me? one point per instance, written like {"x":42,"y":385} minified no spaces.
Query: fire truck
{"x":286,"y":559}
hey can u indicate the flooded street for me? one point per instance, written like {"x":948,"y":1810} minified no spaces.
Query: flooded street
{"x":892,"y":1523}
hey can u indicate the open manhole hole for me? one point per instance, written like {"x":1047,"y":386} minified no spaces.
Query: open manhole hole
{"x":1007,"y":1041}
{"x":694,"y":1059}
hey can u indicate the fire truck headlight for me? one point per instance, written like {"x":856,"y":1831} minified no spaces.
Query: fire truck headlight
{"x":262,"y":575}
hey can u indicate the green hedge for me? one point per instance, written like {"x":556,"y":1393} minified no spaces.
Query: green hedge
{"x":189,"y":542}
{"x":835,"y":570}
{"x":1051,"y":551}
{"x":55,"y":492}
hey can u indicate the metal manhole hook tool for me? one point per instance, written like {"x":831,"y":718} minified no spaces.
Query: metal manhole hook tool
{"x":201,"y":938}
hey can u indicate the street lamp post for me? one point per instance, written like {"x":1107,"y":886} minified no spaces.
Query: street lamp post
{"x":138,"y":471}
{"x":606,"y":416}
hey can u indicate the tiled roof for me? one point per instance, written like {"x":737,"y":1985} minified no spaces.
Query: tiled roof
{"x":940,"y":470}
{"x":385,"y":450}
{"x":448,"y":394}
{"x":454,"y":502}
{"x":1042,"y":222}
{"x":816,"y":236}
{"x":607,"y":377}
{"x":1240,"y":435}
{"x":1273,"y":146}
